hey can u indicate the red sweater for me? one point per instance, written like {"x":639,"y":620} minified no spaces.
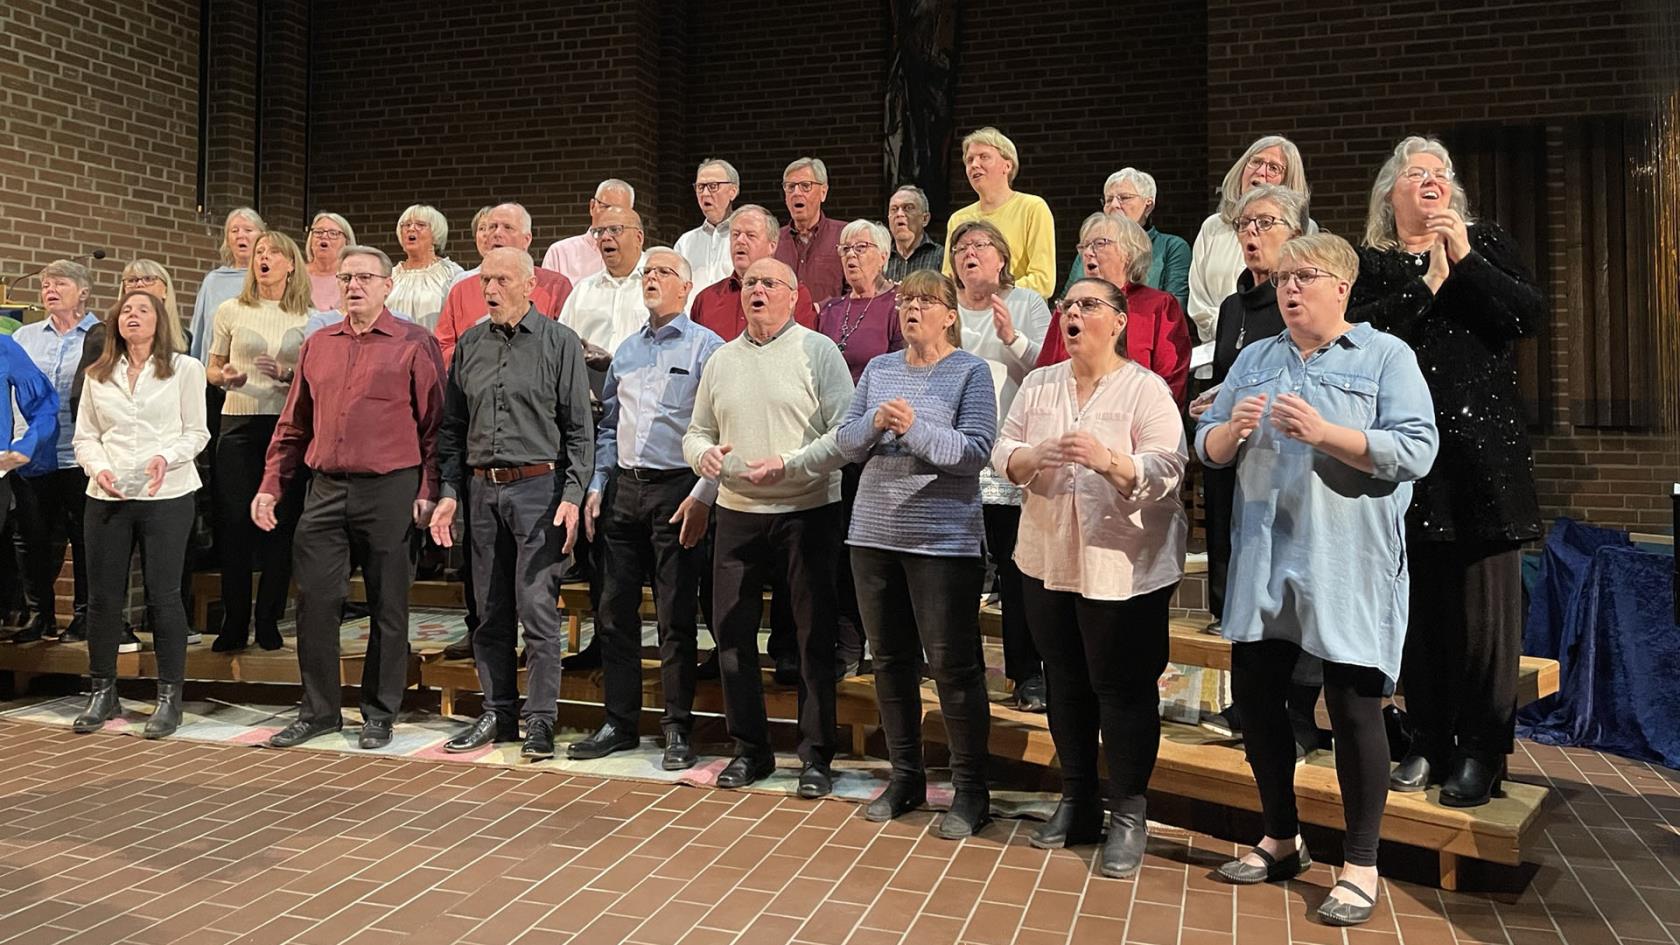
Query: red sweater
{"x":1157,"y":337}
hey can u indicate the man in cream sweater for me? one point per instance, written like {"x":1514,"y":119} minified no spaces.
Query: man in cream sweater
{"x":765,"y":402}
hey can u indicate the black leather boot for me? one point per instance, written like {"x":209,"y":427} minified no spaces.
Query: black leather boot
{"x":1076,"y":820}
{"x":1128,"y":836}
{"x":166,"y":718}
{"x":102,"y":704}
{"x":1473,"y":780}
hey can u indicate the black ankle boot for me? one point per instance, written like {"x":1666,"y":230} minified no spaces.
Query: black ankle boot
{"x":1075,"y":821}
{"x":102,"y":704}
{"x":1128,"y":836}
{"x":1473,"y":780}
{"x":166,"y":718}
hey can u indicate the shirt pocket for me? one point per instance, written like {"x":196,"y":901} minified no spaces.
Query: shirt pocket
{"x":1349,"y":400}
{"x":679,"y":391}
{"x":380,"y":378}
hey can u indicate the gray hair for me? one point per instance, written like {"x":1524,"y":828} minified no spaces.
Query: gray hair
{"x":434,"y":220}
{"x":729,"y":172}
{"x":819,"y":170}
{"x":523,"y":214}
{"x":249,"y":215}
{"x":1141,"y":182}
{"x":876,"y":232}
{"x":335,"y":220}
{"x":613,"y":183}
{"x":522,"y":259}
{"x":914,"y":191}
{"x":68,"y":269}
{"x":155,"y":269}
{"x":682,"y":267}
{"x":1134,"y":242}
{"x":1294,"y":175}
{"x":377,"y":255}
{"x":1380,"y":231}
{"x":1293,"y":205}
{"x":772,"y":227}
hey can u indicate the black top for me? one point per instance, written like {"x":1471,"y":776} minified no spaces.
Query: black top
{"x":1482,"y":486}
{"x":1247,"y":315}
{"x":518,"y":397}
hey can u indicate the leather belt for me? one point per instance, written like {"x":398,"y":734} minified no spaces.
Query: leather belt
{"x":643,"y":474}
{"x":502,"y":475}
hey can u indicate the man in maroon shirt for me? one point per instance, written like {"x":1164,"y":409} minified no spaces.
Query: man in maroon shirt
{"x":752,"y":236}
{"x":363,"y":415}
{"x":810,"y":243}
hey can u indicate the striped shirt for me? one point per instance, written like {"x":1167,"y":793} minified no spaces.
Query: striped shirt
{"x":241,"y":334}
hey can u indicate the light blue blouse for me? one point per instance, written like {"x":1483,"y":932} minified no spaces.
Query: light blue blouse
{"x":1318,"y":548}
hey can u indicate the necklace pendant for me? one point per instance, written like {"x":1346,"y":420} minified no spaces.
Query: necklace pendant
{"x":841,"y":345}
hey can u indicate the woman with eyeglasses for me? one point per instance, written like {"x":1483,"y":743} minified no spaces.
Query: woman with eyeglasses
{"x":1157,"y":336}
{"x":247,"y":361}
{"x":328,"y":234}
{"x":921,"y":426}
{"x":1217,"y":259}
{"x":421,"y":280}
{"x":1024,"y":220}
{"x":1004,"y":324}
{"x":1457,"y":290}
{"x":141,"y":275}
{"x":1131,"y":193}
{"x":1097,"y":445}
{"x":1328,"y":424}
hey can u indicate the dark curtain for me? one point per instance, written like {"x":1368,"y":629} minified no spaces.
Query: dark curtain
{"x":920,"y":82}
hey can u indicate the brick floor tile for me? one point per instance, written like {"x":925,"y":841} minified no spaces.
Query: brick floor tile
{"x":830,"y":924}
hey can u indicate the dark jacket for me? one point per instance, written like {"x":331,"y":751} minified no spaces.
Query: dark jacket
{"x":1482,"y":486}
{"x":1247,"y":315}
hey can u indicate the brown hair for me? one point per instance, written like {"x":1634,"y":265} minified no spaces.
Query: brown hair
{"x":164,"y":341}
{"x":1006,"y":279}
{"x":933,"y":284}
{"x":1114,"y":297}
{"x":295,"y":300}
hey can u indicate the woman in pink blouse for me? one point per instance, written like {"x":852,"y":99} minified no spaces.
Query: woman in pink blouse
{"x":1096,"y":444}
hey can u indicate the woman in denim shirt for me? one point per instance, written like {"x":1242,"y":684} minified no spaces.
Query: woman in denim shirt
{"x":1328,"y":425}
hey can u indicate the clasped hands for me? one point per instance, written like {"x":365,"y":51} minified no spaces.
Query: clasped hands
{"x":107,"y":480}
{"x":1292,"y":416}
{"x":1078,"y":448}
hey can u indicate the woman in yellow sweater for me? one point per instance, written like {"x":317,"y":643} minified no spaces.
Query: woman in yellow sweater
{"x":991,"y":162}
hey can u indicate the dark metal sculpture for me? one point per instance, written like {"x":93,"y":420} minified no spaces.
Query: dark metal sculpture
{"x":920,"y":82}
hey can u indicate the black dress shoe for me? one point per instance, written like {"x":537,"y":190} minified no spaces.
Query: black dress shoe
{"x":375,"y":735}
{"x":1030,"y":695}
{"x":485,"y":729}
{"x":787,"y":671}
{"x":461,"y":649}
{"x":1271,"y":870}
{"x":1128,"y":836}
{"x":76,"y":632}
{"x":300,"y":731}
{"x":896,"y":800}
{"x":1473,"y":781}
{"x":679,"y":754}
{"x":816,"y":781}
{"x":587,"y":658}
{"x":970,"y":810}
{"x":269,"y":637}
{"x":33,"y":631}
{"x":166,"y":718}
{"x":1337,"y":912}
{"x":743,"y":770}
{"x":1074,"y":821}
{"x":608,"y":739}
{"x":231,"y":641}
{"x":1416,"y":773}
{"x":102,"y":704}
{"x":539,"y":740}
{"x":708,"y":669}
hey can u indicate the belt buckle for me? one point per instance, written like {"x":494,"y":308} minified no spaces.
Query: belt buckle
{"x":498,"y":476}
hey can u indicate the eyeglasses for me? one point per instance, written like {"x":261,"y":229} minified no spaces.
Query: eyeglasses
{"x":613,"y":230}
{"x":1262,"y":222}
{"x":131,"y":282}
{"x":1272,"y":168}
{"x":417,"y":224}
{"x":1418,"y":175}
{"x":767,"y":282}
{"x":1304,"y":277}
{"x":894,"y":209}
{"x":971,"y":246}
{"x":799,"y":186}
{"x":709,"y":186}
{"x":1085,"y":306}
{"x":660,"y":272}
{"x":360,"y":278}
{"x":326,"y":234}
{"x":1096,"y":246}
{"x":919,"y":303}
{"x":857,"y":249}
{"x":1120,"y":199}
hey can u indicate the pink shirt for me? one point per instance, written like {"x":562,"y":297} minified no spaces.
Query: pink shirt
{"x":574,"y":257}
{"x":323,"y":293}
{"x":1078,"y":532}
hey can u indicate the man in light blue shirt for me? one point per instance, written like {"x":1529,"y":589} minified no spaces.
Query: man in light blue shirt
{"x":651,"y":512}
{"x":52,"y":490}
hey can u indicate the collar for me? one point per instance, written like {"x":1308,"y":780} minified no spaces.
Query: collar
{"x":385,"y":323}
{"x":523,"y":326}
{"x":1358,"y":336}
{"x":806,"y":237}
{"x":786,"y":327}
{"x":710,"y":229}
{"x":84,"y":326}
{"x":921,"y":243}
{"x":675,"y":327}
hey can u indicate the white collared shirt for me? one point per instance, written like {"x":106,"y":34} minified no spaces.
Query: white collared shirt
{"x":706,"y":247}
{"x":119,"y":431}
{"x":604,"y":310}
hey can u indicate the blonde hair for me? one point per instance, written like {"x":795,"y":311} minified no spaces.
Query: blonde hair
{"x":1134,"y":242}
{"x":166,"y":342}
{"x":170,"y":320}
{"x":1380,"y":230}
{"x":1006,"y":279}
{"x":295,"y":300}
{"x":997,"y":139}
{"x":251,"y":216}
{"x":429,"y":215}
{"x":1324,"y":250}
{"x":336,"y":220}
{"x":1294,"y":175}
{"x":931,"y":283}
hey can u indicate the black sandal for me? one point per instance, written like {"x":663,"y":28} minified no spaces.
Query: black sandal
{"x":1336,"y":912}
{"x":1247,"y":874}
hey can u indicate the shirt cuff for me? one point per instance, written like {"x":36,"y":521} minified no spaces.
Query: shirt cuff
{"x":705,"y":491}
{"x":1383,"y":446}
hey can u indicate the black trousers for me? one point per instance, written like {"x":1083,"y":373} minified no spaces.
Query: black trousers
{"x":244,"y":548}
{"x":1463,"y":647}
{"x":638,"y":542}
{"x":911,"y":603}
{"x":802,"y":548}
{"x":1260,"y":681}
{"x":1021,"y":661}
{"x":348,"y":521}
{"x":160,"y":527}
{"x":12,"y":598}
{"x":1219,"y":490}
{"x":49,"y":517}
{"x":848,"y":627}
{"x":1102,"y":663}
{"x":517,"y":569}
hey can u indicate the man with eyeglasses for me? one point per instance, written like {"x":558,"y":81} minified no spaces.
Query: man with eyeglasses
{"x":578,"y":256}
{"x":648,"y":512}
{"x":810,"y":243}
{"x":363,"y":414}
{"x":752,"y":237}
{"x":913,"y":249}
{"x":506,"y":225}
{"x":706,"y":247}
{"x":760,"y":415}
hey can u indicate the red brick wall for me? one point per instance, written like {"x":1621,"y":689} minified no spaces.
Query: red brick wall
{"x":1349,"y":81}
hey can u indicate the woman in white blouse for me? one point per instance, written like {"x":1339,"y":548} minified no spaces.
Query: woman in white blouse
{"x":1097,"y":445}
{"x":140,"y":426}
{"x":1005,"y":324}
{"x":420,"y":282}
